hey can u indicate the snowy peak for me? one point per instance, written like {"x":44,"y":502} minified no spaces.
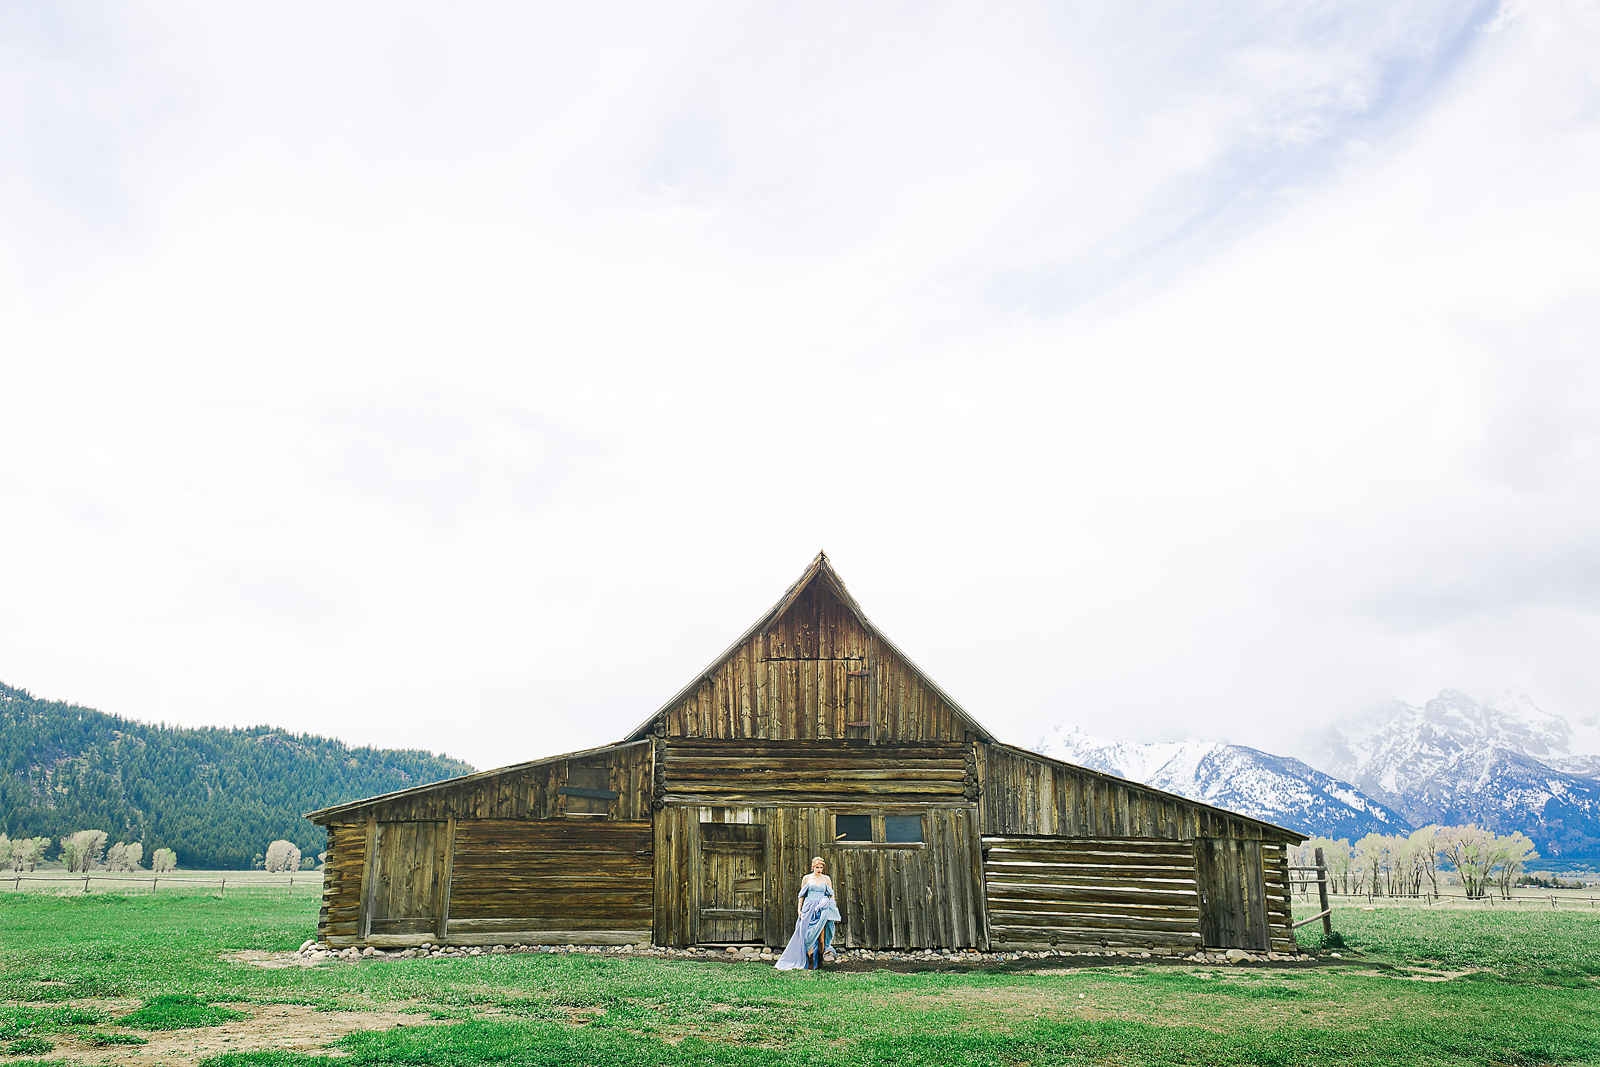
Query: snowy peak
{"x":1276,"y":789}
{"x":1505,"y":764}
{"x":1398,"y":744}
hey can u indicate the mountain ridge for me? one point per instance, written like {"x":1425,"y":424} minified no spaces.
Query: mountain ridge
{"x":1505,"y":764}
{"x":215,"y":795}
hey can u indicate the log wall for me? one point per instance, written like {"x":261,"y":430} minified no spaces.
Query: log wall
{"x":1091,"y":894}
{"x":338,"y":921}
{"x":764,"y":773}
{"x":444,"y":863}
{"x":1275,"y":859}
{"x":551,"y":882}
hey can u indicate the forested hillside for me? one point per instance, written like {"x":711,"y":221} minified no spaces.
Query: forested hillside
{"x":214,"y":796}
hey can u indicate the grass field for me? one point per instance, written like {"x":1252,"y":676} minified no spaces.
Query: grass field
{"x":149,"y":980}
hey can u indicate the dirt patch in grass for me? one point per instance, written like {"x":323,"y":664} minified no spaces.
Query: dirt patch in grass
{"x":267,"y":1027}
{"x":1409,"y":976}
{"x":270,"y":960}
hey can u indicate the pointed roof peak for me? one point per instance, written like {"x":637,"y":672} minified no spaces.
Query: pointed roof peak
{"x":820,"y":569}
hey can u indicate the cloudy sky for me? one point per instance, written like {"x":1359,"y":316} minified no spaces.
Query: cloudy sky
{"x":467,"y":377}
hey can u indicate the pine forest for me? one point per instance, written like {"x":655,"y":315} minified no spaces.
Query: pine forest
{"x":215,"y":797}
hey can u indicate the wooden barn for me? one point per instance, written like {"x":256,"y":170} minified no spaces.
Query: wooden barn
{"x":812,"y":734}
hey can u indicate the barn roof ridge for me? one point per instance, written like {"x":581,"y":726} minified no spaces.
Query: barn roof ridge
{"x":819,"y":569}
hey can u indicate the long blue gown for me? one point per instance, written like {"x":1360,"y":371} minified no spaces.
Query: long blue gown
{"x":813,"y":930}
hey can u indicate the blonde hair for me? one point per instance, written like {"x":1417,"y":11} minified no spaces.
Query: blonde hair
{"x":816,"y":860}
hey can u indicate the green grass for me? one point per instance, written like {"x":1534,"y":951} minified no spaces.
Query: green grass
{"x":1528,"y":995}
{"x":21,"y":1021}
{"x":104,"y":1039}
{"x":1547,"y":947}
{"x":178,"y":1011}
{"x":27,"y":1046}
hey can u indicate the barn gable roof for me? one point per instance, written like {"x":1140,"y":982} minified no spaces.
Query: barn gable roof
{"x":820,"y":572}
{"x":1148,"y":790}
{"x":322,"y":815}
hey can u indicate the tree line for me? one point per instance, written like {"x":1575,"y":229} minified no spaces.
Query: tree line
{"x":209,"y":795}
{"x":86,"y":851}
{"x":1413,"y":865}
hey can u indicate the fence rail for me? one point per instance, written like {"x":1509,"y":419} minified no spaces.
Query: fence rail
{"x":307,"y":880}
{"x":1539,"y":898}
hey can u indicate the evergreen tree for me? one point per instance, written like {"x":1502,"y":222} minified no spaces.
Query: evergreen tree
{"x":211,"y":795}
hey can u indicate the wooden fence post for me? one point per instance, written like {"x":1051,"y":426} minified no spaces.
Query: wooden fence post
{"x":85,"y":883}
{"x":224,"y":889}
{"x":1322,"y":894}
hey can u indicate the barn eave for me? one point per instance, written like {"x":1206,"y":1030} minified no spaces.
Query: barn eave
{"x":1140,"y":787}
{"x":325,"y":815}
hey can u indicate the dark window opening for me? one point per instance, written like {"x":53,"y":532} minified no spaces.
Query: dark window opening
{"x":852,"y":828}
{"x":902,"y":829}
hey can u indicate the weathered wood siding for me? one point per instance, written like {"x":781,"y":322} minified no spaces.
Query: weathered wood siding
{"x":338,"y":921}
{"x":1091,"y":893}
{"x":551,"y":882}
{"x":529,"y":792}
{"x":905,"y":896}
{"x":765,"y":773}
{"x":1236,"y":866}
{"x":405,"y":882}
{"x":1027,"y":794}
{"x":395,"y":873}
{"x":810,"y":674}
{"x":1233,"y":907}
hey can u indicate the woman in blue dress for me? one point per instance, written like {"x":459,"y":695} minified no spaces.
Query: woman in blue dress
{"x":813,"y":930}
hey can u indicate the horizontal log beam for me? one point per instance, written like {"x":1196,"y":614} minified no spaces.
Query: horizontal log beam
{"x":1095,"y":922}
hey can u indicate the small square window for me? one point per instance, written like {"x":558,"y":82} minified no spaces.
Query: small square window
{"x":852,"y":828}
{"x":902,"y":829}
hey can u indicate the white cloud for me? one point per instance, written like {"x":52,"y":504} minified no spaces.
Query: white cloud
{"x":468,"y":379}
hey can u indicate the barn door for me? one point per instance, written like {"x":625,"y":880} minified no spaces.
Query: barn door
{"x":404,"y":880}
{"x":1233,"y":909}
{"x":733,"y":885}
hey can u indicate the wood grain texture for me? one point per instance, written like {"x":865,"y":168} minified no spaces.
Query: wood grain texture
{"x":814,"y":772}
{"x":808,"y":675}
{"x":1091,"y":893}
{"x":528,"y":791}
{"x":574,"y":876}
{"x":1233,"y":911}
{"x":1022,"y":792}
{"x":341,"y":882}
{"x":911,"y":896}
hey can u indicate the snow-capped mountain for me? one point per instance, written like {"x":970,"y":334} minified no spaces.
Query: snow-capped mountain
{"x":1277,"y":789}
{"x":1506,"y":764}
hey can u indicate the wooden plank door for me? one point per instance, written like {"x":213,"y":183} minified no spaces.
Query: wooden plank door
{"x":408,"y":860}
{"x":733,"y":859}
{"x":1231,"y":880}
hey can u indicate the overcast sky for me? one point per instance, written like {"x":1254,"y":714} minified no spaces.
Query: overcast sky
{"x":466,"y":378}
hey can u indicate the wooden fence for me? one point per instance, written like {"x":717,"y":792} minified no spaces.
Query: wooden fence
{"x":306,"y":881}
